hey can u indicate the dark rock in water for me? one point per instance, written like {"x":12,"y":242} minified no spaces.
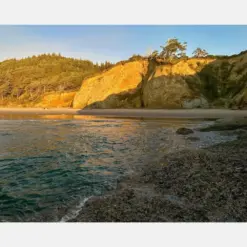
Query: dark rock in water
{"x":184,"y":131}
{"x":193,"y":138}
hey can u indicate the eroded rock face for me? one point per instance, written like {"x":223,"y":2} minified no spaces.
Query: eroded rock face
{"x":200,"y":102}
{"x":176,"y":86}
{"x":115,"y":88}
{"x":137,"y":84}
{"x":165,"y":92}
{"x":57,"y":100}
{"x":225,"y":81}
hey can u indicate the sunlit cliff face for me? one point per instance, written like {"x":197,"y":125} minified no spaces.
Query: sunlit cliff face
{"x":117,"y":80}
{"x":162,"y":86}
{"x":57,"y":100}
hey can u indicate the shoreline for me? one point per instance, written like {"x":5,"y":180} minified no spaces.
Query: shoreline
{"x":129,"y":113}
{"x":190,"y":185}
{"x":205,"y":185}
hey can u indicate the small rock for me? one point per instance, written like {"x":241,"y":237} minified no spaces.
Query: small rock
{"x":184,"y":131}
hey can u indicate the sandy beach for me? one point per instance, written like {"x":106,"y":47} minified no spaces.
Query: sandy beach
{"x":130,"y":113}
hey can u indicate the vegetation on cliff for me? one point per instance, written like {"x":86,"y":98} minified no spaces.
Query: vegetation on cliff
{"x":25,"y":81}
{"x":225,"y":81}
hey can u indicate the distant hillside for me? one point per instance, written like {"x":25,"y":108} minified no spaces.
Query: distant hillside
{"x":26,"y":82}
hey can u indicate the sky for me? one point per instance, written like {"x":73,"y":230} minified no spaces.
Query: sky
{"x":113,"y":43}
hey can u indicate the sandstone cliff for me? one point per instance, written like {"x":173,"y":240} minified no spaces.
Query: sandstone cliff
{"x":188,"y":83}
{"x":117,"y":87}
{"x":144,"y":84}
{"x":57,"y":100}
{"x":175,"y":86}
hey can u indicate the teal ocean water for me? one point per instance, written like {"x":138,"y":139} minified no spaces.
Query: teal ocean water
{"x":50,"y":165}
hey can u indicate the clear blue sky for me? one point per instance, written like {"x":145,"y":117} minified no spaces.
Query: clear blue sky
{"x":114,"y":43}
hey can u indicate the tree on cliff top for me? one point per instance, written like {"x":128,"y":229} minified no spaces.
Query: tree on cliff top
{"x":173,"y":49}
{"x":154,"y":54}
{"x":198,"y":52}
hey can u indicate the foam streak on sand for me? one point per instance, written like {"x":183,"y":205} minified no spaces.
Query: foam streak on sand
{"x":75,"y":212}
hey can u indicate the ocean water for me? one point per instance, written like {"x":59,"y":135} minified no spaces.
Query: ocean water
{"x":50,"y":165}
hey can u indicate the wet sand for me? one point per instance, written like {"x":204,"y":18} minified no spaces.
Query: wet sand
{"x":130,"y":113}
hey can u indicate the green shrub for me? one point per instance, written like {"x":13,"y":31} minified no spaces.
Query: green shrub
{"x":34,"y":76}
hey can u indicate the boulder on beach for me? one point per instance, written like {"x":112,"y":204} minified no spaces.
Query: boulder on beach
{"x":184,"y":131}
